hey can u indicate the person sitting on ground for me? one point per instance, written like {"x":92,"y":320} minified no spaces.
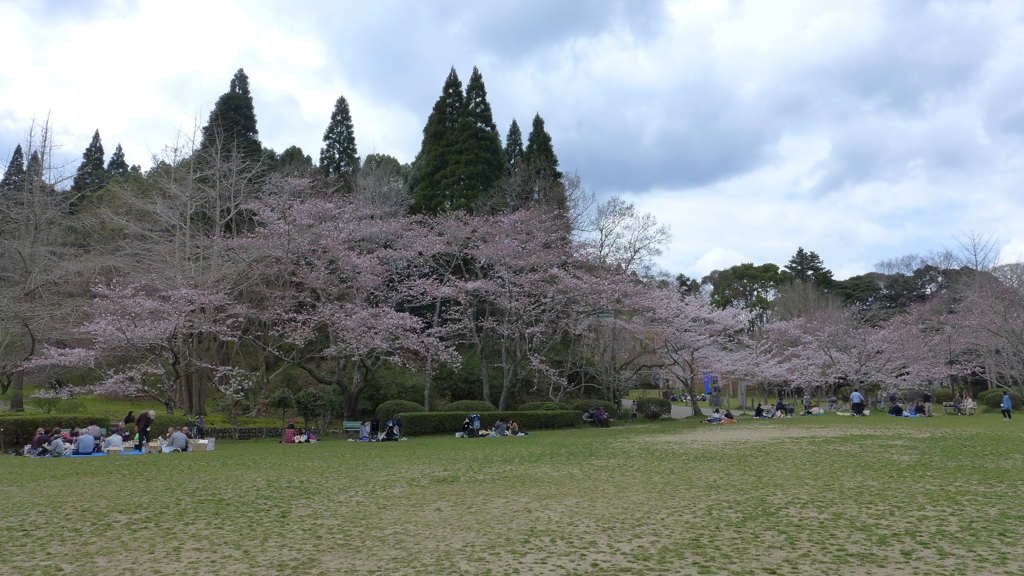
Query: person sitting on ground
{"x":780,"y":407}
{"x":94,"y":430}
{"x":300,"y":437}
{"x":71,"y":435}
{"x":513,"y":428}
{"x":364,"y":430}
{"x":55,"y":447}
{"x":920,"y":410}
{"x":728,"y":415}
{"x":38,"y":440}
{"x":758,"y":411}
{"x":500,"y":428}
{"x":176,"y":441}
{"x":895,"y":409}
{"x":289,"y":433}
{"x":115,"y":440}
{"x":85,"y":445}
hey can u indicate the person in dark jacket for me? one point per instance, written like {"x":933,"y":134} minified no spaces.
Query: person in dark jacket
{"x":130,"y":418}
{"x":142,"y":425}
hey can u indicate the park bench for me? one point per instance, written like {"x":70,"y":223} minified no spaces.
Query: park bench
{"x":351,"y":425}
{"x":966,"y":410}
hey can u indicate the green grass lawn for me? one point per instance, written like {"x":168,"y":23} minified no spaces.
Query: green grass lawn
{"x":812,"y":495}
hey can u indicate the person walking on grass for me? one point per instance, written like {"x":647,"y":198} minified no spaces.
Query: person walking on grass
{"x":1007,"y":406}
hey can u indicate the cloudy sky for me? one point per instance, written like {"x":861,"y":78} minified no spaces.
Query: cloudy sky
{"x":859,"y":129}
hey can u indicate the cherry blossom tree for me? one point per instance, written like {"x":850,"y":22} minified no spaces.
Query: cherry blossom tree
{"x":690,"y":337}
{"x":148,"y":342}
{"x":335,"y":287}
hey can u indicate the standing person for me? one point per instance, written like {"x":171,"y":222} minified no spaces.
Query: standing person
{"x":857,"y":399}
{"x":142,"y":425}
{"x":632,"y":410}
{"x":1006,"y":405}
{"x":927,"y":403}
{"x":807,"y":403}
{"x":200,"y":427}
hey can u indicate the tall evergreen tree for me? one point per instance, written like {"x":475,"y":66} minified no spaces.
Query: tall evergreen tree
{"x":117,"y":166}
{"x":541,"y":161}
{"x":34,"y":169}
{"x":513,"y":148}
{"x":294,"y":162}
{"x":429,"y":191}
{"x":339,"y":157}
{"x":808,"y":267}
{"x":476,"y":161}
{"x":91,"y":175}
{"x":232,"y":124}
{"x":14,"y":175}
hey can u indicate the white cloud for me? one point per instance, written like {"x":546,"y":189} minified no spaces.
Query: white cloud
{"x":860,"y":129}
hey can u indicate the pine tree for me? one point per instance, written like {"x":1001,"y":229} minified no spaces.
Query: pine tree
{"x":34,"y":169}
{"x":808,"y":267}
{"x":232,"y":124}
{"x":513,"y":148}
{"x":339,"y":157}
{"x":117,"y":166}
{"x":91,"y":175}
{"x":539,"y":157}
{"x":476,"y":161}
{"x":14,"y":175}
{"x":429,"y":192}
{"x":294,"y":162}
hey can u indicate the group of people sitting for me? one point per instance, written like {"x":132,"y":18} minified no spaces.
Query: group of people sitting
{"x":779,"y":410}
{"x":293,"y":435}
{"x":897,"y":409}
{"x":369,"y":430}
{"x":598,"y":417}
{"x":964,"y":406}
{"x":718,"y":417}
{"x":471,"y":428}
{"x":75,"y":442}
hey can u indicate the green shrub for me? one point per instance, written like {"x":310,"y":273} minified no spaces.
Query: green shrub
{"x":388,"y":410}
{"x":653,"y":408}
{"x":282,"y":400}
{"x":610,"y":408}
{"x":423,"y":423}
{"x":943,"y":395}
{"x":46,"y":405}
{"x":549,"y":405}
{"x":994,"y":399}
{"x":470,"y":407}
{"x":71,"y":406}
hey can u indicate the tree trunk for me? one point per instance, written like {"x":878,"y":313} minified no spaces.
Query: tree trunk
{"x":17,"y":391}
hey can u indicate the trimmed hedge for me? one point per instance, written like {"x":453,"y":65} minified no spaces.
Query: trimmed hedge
{"x":549,"y":405}
{"x":470,"y":406}
{"x":943,"y":395}
{"x":423,"y":423}
{"x":388,"y":410}
{"x":994,"y":399}
{"x":653,"y":408}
